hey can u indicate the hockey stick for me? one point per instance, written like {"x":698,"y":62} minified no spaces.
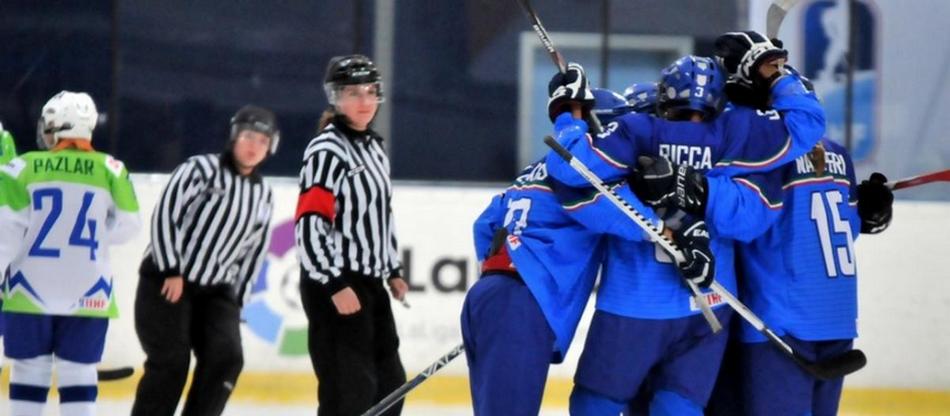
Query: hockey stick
{"x":555,"y":55}
{"x":939,"y":176}
{"x":831,"y":368}
{"x":775,"y":15}
{"x":638,"y":218}
{"x":543,"y":35}
{"x":113,"y":374}
{"x":403,"y":390}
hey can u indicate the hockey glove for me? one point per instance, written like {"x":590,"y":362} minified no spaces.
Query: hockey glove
{"x":698,"y":265}
{"x":660,"y":183}
{"x":571,"y":86}
{"x":739,"y":93}
{"x":743,"y":53}
{"x":874,"y":204}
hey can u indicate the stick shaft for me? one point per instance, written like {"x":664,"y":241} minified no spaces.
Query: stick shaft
{"x":641,"y":221}
{"x":403,"y":390}
{"x":556,"y":56}
{"x":543,"y":35}
{"x":938,"y":176}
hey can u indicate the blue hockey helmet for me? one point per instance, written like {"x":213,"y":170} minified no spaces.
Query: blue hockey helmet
{"x":692,"y":83}
{"x":608,"y":105}
{"x":641,"y":97}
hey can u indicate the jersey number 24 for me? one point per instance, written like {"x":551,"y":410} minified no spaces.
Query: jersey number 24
{"x":81,"y":223}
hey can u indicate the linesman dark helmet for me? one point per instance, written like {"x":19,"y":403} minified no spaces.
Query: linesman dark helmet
{"x":350,"y":70}
{"x":259,"y":119}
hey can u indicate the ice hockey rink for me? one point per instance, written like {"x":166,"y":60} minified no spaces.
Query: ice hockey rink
{"x":904,"y":375}
{"x":447,"y":396}
{"x":466,"y":84}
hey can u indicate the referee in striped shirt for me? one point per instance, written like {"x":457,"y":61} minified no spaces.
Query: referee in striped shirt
{"x":347,"y":247}
{"x":210,"y":230}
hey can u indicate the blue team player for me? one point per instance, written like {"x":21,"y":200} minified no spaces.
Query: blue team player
{"x":645,"y":329}
{"x":641,"y":97}
{"x":609,"y":105}
{"x":800,"y":277}
{"x":522,"y":313}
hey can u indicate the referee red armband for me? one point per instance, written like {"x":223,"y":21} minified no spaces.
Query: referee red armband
{"x":316,"y":200}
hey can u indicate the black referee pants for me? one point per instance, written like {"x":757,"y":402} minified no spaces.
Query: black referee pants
{"x":206,"y":321}
{"x":355,"y":357}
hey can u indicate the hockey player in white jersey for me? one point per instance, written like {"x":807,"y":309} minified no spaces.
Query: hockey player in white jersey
{"x":7,"y":153}
{"x":60,"y":209}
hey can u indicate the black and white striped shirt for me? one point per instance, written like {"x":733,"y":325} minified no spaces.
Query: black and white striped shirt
{"x":211,"y":224}
{"x":344,"y":218}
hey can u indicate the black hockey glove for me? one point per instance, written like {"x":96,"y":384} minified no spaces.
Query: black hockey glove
{"x":744,"y":95}
{"x":571,"y":86}
{"x":699,"y":265}
{"x":660,"y":183}
{"x":874,"y":204}
{"x":742,"y":53}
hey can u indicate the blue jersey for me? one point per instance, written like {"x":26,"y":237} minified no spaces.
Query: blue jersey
{"x":800,"y":276}
{"x":740,"y":151}
{"x":639,"y":280}
{"x":560,"y":276}
{"x":746,"y":140}
{"x":555,"y":255}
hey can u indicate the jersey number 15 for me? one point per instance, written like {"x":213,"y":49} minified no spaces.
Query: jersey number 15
{"x":843,"y":254}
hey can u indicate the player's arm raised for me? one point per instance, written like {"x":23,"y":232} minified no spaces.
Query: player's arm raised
{"x":610,"y":154}
{"x":759,"y":78}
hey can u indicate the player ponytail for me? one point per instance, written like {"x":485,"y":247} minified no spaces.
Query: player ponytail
{"x":325,"y":119}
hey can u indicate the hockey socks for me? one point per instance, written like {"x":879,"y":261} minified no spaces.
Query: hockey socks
{"x":77,"y":388}
{"x":29,"y":385}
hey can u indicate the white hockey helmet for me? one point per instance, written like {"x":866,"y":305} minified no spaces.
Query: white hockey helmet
{"x":68,"y":114}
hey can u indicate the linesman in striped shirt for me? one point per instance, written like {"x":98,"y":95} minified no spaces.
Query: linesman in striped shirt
{"x":347,"y":247}
{"x":210,"y":230}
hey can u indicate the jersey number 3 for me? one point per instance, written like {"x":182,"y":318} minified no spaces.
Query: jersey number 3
{"x":55,"y":197}
{"x":843,"y":254}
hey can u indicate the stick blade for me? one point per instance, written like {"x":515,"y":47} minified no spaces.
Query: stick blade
{"x":775,"y":15}
{"x":838,"y":366}
{"x":115,"y":373}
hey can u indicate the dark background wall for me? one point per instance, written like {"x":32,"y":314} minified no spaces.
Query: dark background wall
{"x":168,"y":75}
